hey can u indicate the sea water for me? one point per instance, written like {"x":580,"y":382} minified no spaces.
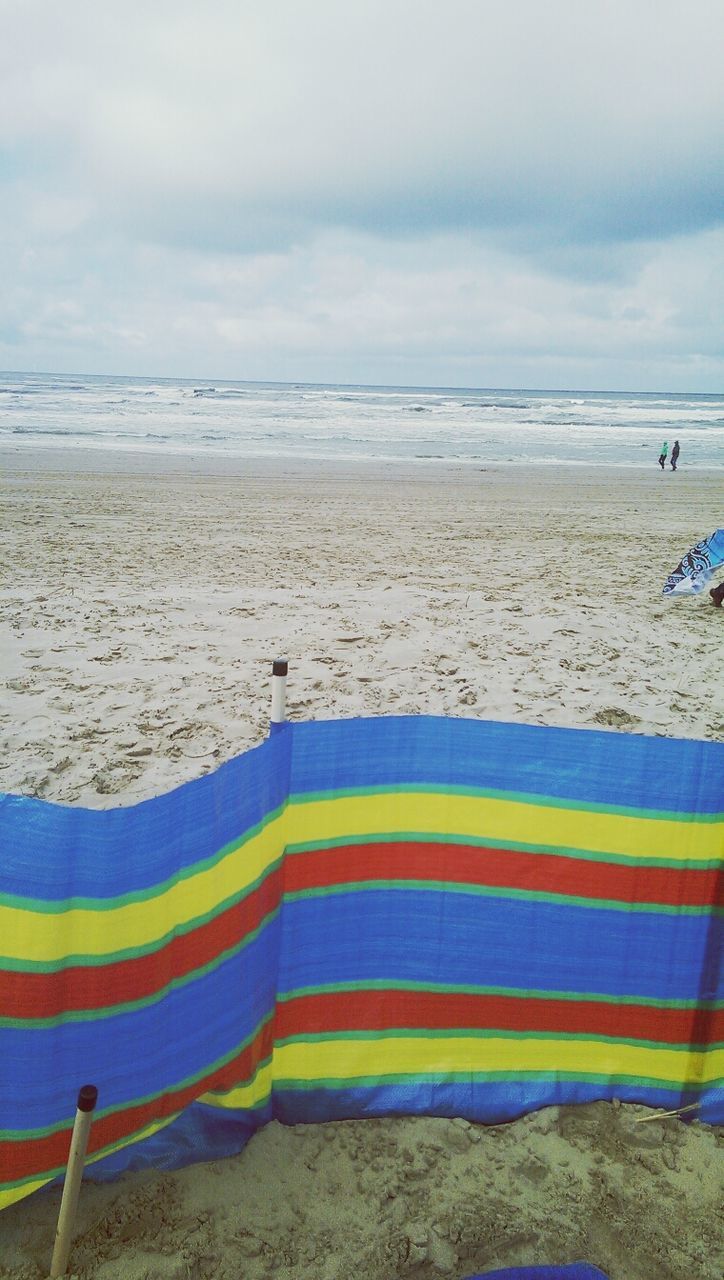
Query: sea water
{"x":411,"y":424}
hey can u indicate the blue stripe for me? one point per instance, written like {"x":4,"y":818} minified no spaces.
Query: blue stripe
{"x":199,"y":1133}
{"x":622,"y":769}
{"x":139,"y":1053}
{"x":210,"y":1133}
{"x":483,"y":1102}
{"x":52,"y":851}
{"x":426,"y":937}
{"x":466,"y":939}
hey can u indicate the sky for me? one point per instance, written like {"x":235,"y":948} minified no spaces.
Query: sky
{"x":490,"y":193}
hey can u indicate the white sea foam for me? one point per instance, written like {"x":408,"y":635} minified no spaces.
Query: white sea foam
{"x":354,"y":422}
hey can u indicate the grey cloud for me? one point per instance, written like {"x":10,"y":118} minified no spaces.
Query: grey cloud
{"x":250,"y":122}
{"x":406,"y":190}
{"x":355,"y":302}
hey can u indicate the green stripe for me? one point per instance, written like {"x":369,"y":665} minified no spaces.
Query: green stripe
{"x":517,"y":797}
{"x":27,"y":1135}
{"x":501,"y":891}
{"x":486,"y":1077}
{"x":483,"y":842}
{"x":48,"y":1175}
{"x":148,"y":948}
{"x":244,"y":1084}
{"x":45,"y":1176}
{"x":55,"y":906}
{"x":372,"y":1082}
{"x":144,"y":1002}
{"x":60,"y":905}
{"x":447,"y":988}
{"x":175,"y":984}
{"x":489,"y":1033}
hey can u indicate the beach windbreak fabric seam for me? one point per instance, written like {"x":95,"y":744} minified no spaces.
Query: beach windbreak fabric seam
{"x":403,"y":915}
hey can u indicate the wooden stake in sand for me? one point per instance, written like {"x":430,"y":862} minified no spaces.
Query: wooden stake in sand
{"x":663,"y":1115}
{"x":87,"y":1098}
{"x":280,"y":666}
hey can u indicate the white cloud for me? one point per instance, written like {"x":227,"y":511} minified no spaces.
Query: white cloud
{"x":352,"y":308}
{"x":375,"y":114}
{"x":320,"y":189}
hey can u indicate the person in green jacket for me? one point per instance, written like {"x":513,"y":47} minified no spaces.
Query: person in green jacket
{"x":663,"y":454}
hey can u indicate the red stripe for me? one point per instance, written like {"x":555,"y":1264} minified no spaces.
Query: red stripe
{"x":30,"y":1157}
{"x":44,"y":995}
{"x":369,"y":1011}
{"x":543,"y":873}
{"x":385,"y":1010}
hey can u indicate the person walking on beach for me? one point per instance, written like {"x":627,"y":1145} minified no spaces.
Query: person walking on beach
{"x":662,"y":455}
{"x":674,"y":455}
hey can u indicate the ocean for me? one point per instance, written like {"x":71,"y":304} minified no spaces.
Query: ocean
{"x":411,"y":424}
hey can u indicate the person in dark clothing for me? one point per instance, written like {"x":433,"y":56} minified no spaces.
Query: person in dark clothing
{"x":674,"y":455}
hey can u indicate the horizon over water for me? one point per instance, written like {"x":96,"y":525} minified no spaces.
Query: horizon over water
{"x":348,"y":422}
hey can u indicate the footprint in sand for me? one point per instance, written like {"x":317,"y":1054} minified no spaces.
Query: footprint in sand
{"x":616,"y":718}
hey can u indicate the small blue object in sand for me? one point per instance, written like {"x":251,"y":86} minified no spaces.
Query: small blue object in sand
{"x":574,"y":1271}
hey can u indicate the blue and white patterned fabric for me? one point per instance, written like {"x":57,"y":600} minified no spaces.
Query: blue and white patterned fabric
{"x":694,"y":571}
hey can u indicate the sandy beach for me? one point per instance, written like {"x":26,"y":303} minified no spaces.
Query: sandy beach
{"x":143,"y":601}
{"x":146,"y":601}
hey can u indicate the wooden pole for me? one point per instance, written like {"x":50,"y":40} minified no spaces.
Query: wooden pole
{"x":280,"y":667}
{"x":87,"y":1098}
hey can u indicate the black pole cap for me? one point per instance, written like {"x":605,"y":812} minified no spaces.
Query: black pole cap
{"x":87,"y":1097}
{"x":280,"y":667}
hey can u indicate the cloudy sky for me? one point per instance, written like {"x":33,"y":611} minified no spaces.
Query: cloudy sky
{"x":521,"y":193}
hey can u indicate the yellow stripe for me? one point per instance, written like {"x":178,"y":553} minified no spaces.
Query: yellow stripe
{"x":147,"y":1132}
{"x":348,"y":1060}
{"x":39,"y":936}
{"x":412,"y":1055}
{"x":45,"y":937}
{"x":11,"y":1195}
{"x":480,"y":818}
{"x":256,"y":1091}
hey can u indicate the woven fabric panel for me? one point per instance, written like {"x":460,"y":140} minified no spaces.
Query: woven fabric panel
{"x":361,"y":918}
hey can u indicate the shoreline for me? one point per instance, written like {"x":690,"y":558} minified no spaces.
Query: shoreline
{"x":118,"y":460}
